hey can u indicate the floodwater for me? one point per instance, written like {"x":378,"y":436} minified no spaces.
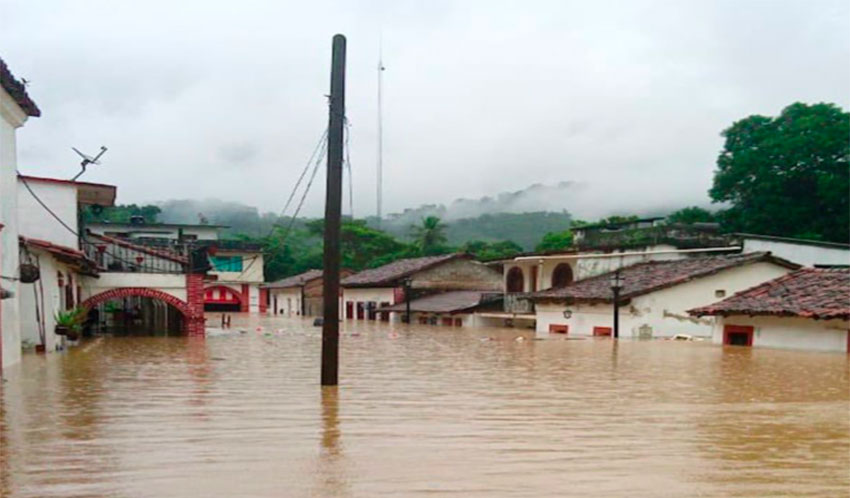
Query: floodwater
{"x":434,"y":411}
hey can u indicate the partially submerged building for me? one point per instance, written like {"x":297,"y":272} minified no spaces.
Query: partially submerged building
{"x":808,"y":309}
{"x":233,"y":283}
{"x":367,"y":292}
{"x":298,"y":295}
{"x":655,"y":296}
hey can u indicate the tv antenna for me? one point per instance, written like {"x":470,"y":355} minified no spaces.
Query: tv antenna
{"x":87,"y":160}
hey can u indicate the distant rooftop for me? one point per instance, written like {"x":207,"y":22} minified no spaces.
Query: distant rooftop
{"x":790,"y":240}
{"x":87,"y":192}
{"x":390,"y":274}
{"x":152,"y":225}
{"x":643,"y":278}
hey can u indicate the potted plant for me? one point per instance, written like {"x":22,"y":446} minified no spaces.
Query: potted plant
{"x":70,"y":322}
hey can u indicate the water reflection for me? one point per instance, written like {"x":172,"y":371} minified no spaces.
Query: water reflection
{"x":422,"y":410}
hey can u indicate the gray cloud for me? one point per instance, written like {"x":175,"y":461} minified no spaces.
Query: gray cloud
{"x":481,"y":97}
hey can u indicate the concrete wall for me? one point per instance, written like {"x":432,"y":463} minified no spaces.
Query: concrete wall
{"x":288,"y":301}
{"x":790,"y":332}
{"x":458,"y":274}
{"x":173,"y":284}
{"x":662,"y":313}
{"x":53,"y":301}
{"x":35,"y":222}
{"x":804,"y":254}
{"x":377,"y":294}
{"x":11,"y":118}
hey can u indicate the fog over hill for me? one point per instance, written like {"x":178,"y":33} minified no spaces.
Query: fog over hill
{"x":534,"y":211}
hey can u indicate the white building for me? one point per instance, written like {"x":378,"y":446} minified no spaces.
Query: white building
{"x":655,"y":296}
{"x":298,"y":295}
{"x":54,"y":248}
{"x":807,"y":310}
{"x":234,"y":283}
{"x":805,"y":252}
{"x":15,"y":108}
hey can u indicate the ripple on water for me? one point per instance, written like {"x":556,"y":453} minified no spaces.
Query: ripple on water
{"x":433,"y":411}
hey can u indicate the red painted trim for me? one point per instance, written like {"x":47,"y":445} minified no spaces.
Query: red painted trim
{"x":349,"y":310}
{"x":602,"y":331}
{"x":555,"y":328}
{"x":264,"y":297}
{"x":728,"y":330}
{"x":223,"y":290}
{"x":243,"y":304}
{"x":447,"y":321}
{"x":194,"y":317}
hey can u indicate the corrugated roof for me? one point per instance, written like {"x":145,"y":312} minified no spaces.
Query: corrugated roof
{"x":445,"y":302}
{"x":295,"y":280}
{"x":643,"y":278}
{"x":819,"y":293}
{"x":390,"y":274}
{"x":17,"y":91}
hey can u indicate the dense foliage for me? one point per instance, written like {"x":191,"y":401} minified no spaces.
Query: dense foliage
{"x":121,"y":213}
{"x":787,"y":175}
{"x":692,"y":214}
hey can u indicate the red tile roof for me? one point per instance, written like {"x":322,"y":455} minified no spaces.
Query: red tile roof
{"x":391,"y":274}
{"x":643,"y":278}
{"x":17,"y":91}
{"x":62,"y":253}
{"x":445,"y":302}
{"x":819,"y":293}
{"x":295,"y":280}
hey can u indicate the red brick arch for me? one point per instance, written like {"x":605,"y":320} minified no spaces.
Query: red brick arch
{"x":122,"y":292}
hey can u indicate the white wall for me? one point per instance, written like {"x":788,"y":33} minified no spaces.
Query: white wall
{"x":53,"y":300}
{"x":166,"y":282}
{"x":154,"y":231}
{"x":35,"y":222}
{"x":288,"y":301}
{"x":662,"y":313}
{"x":252,"y":273}
{"x":11,"y":117}
{"x":364,"y":295}
{"x":790,"y":332}
{"x":804,"y":254}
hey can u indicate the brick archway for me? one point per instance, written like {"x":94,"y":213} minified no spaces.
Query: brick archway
{"x":192,"y":319}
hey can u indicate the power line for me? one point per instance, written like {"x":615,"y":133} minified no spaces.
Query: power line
{"x":60,"y":220}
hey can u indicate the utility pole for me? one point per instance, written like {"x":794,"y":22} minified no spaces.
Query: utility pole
{"x":380,"y":182}
{"x":333,"y":215}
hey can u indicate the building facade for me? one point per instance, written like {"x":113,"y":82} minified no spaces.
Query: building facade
{"x":15,"y":108}
{"x":655,"y":297}
{"x":805,"y":310}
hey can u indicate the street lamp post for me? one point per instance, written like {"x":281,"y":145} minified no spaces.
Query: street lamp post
{"x":406,"y":300}
{"x":616,"y":286}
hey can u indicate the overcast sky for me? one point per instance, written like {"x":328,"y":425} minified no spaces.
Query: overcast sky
{"x":201,"y":99}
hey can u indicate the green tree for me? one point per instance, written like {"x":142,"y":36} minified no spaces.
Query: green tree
{"x":692,"y":214}
{"x":487,"y":251}
{"x":430,"y":237}
{"x":787,"y":175}
{"x":554,"y":241}
{"x":121,"y":213}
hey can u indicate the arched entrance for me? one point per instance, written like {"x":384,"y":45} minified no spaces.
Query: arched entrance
{"x":222,"y":298}
{"x":190,"y":322}
{"x":515,"y":280}
{"x":562,"y":275}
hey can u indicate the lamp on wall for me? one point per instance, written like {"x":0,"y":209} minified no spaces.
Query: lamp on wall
{"x":568,"y":314}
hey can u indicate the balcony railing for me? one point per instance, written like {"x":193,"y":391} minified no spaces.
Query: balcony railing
{"x":518,"y":303}
{"x":114,"y":256}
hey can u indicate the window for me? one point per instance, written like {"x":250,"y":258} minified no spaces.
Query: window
{"x":226,"y":263}
{"x":515,"y":280}
{"x":562,"y":275}
{"x":720,"y":293}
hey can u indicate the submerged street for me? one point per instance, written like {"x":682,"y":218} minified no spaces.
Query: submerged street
{"x":419,"y":410}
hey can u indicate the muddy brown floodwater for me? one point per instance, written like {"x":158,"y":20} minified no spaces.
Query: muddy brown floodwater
{"x":435,"y":411}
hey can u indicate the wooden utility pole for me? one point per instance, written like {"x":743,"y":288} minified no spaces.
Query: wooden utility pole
{"x":333,"y":214}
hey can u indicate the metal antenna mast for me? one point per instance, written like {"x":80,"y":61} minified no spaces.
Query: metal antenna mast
{"x":87,"y":160}
{"x":380,"y":128}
